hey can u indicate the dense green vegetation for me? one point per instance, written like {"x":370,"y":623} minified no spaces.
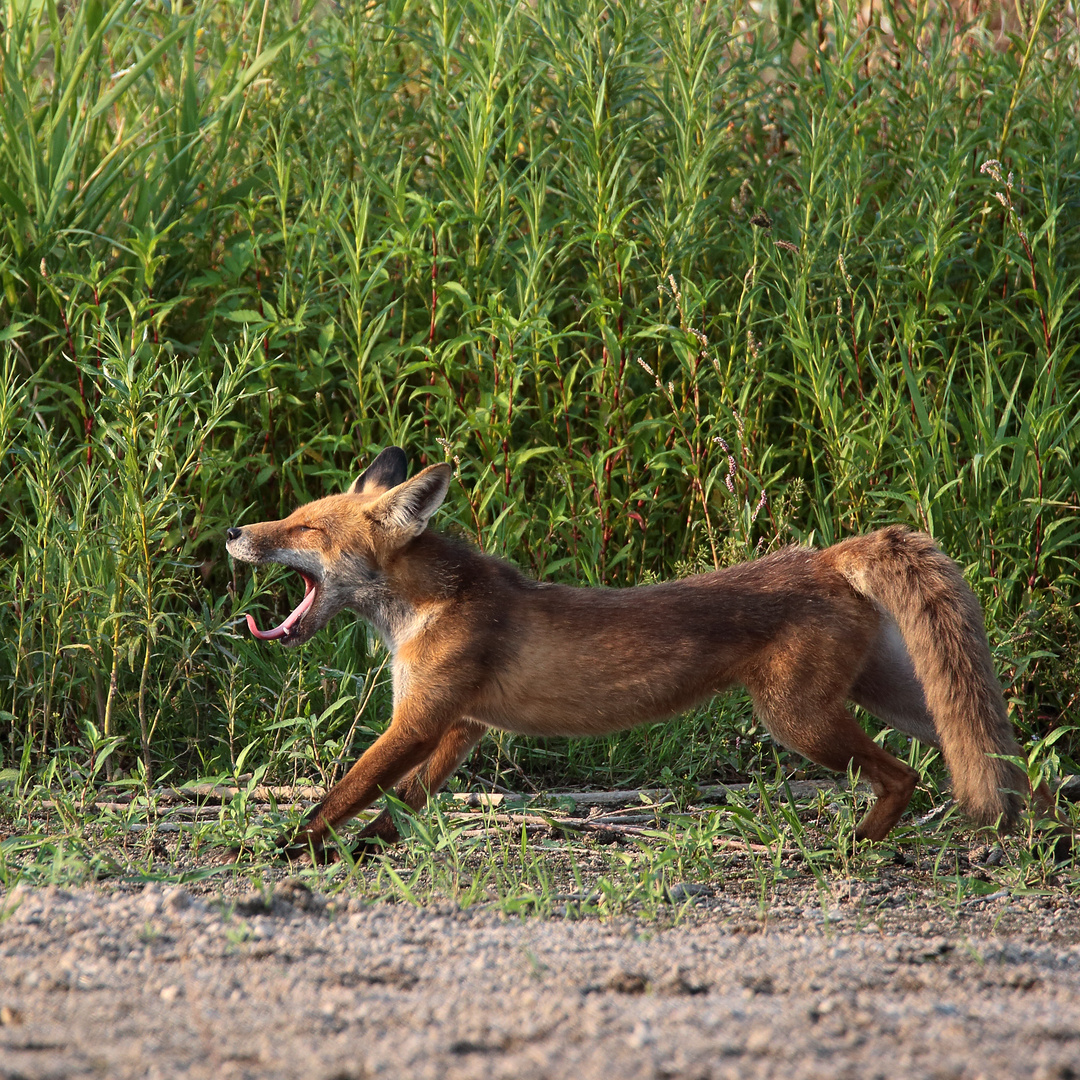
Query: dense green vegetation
{"x":670,"y":283}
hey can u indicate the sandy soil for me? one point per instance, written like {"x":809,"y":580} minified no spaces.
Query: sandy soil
{"x":165,"y":983}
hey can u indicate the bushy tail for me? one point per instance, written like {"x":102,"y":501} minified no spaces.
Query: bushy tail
{"x":942,"y":625}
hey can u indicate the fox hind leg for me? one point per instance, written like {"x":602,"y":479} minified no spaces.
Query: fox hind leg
{"x":892,"y":782}
{"x":819,"y":727}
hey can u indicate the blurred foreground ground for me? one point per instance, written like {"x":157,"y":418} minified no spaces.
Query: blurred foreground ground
{"x":877,"y":982}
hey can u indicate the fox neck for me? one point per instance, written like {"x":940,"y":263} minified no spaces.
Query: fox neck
{"x":414,"y":586}
{"x":396,"y":620}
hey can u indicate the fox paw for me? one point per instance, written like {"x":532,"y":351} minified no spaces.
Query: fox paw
{"x":227,"y":856}
{"x":367,"y":848}
{"x":302,"y":851}
{"x":1061,"y":847}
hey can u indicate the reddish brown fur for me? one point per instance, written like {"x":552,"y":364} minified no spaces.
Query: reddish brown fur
{"x":885,"y":620}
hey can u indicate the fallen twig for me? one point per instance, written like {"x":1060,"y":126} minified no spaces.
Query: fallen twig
{"x":609,"y":830}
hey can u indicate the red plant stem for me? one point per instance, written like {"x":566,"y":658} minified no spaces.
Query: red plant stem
{"x":993,"y":563}
{"x":605,"y":530}
{"x":472,"y":510}
{"x":258,"y":293}
{"x":1035,"y":575}
{"x":267,"y":444}
{"x":97,"y":350}
{"x":566,"y":408}
{"x":1012,"y":216}
{"x":434,"y":277}
{"x":427,"y":403}
{"x":1035,"y":289}
{"x":905,"y":362}
{"x":619,"y":320}
{"x":510,"y":388}
{"x":509,"y":420}
{"x":606,"y":356}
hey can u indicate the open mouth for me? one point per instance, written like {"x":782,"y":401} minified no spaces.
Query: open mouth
{"x":301,"y":609}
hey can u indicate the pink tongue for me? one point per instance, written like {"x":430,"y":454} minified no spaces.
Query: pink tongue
{"x":284,"y":629}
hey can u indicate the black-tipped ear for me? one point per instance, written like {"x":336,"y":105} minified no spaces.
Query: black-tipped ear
{"x":387,"y":471}
{"x":407,"y":509}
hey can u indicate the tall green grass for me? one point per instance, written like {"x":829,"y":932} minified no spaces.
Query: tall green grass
{"x":669,"y":283}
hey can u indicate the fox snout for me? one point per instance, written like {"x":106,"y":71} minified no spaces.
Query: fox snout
{"x":239,"y":545}
{"x":312,"y":612}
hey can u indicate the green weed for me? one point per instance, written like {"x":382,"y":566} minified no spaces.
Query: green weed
{"x":669,"y":284}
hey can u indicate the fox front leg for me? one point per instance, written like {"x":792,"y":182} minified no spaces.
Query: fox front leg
{"x":414,"y":735}
{"x":422,"y":782}
{"x":393,"y":754}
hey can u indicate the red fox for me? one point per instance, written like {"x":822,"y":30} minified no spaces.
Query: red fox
{"x":884,"y":620}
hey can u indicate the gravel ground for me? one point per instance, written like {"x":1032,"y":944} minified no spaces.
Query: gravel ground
{"x":167,"y":983}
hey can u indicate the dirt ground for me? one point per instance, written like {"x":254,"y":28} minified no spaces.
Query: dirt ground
{"x":167,"y":983}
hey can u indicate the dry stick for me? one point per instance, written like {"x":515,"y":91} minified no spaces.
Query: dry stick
{"x":196,"y":813}
{"x":224,"y":792}
{"x":572,"y":825}
{"x":487,"y":800}
{"x":604,"y":828}
{"x":57,"y":804}
{"x":478,"y":799}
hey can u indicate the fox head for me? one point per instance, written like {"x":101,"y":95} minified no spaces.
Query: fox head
{"x":340,"y":545}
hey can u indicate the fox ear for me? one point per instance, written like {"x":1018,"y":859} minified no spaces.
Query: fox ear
{"x":387,"y":471}
{"x":407,"y":508}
